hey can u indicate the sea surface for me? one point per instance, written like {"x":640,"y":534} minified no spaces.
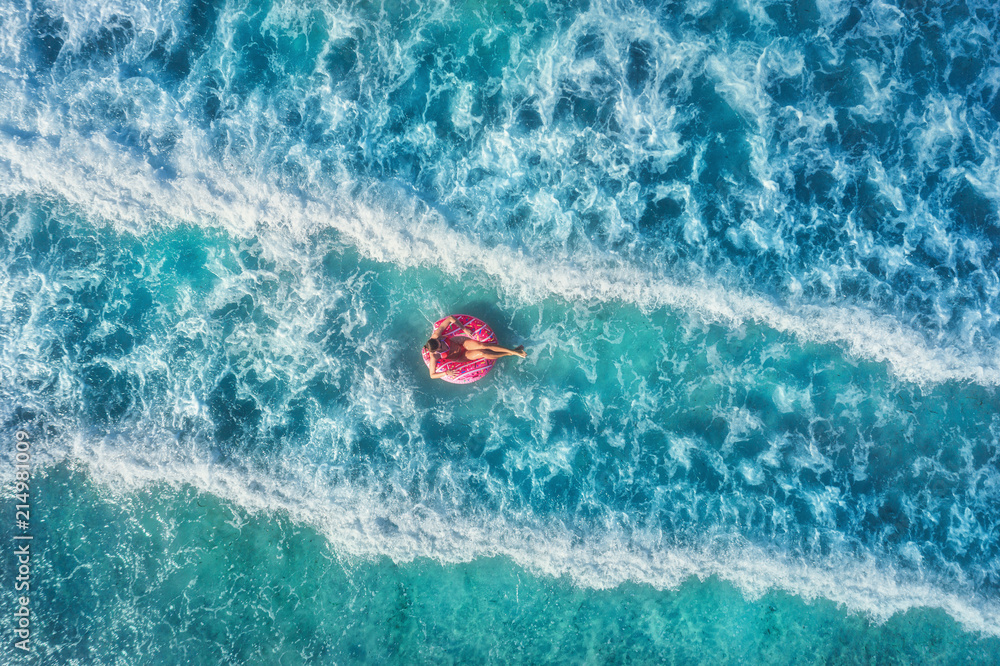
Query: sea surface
{"x":752,"y":249}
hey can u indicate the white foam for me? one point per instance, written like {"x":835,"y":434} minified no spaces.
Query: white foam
{"x":82,"y":19}
{"x":355,"y":522}
{"x":104,"y":181}
{"x":389,"y":226}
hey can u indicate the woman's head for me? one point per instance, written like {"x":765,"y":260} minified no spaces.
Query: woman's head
{"x":433,"y":345}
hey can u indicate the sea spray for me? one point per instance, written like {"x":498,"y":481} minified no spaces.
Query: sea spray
{"x":751,"y":251}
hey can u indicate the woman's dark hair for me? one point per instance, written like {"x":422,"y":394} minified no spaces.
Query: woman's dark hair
{"x":433,"y":345}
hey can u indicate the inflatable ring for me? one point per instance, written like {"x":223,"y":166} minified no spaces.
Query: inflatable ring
{"x":466,"y":372}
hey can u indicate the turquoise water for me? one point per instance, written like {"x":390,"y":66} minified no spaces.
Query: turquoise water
{"x":752,"y":253}
{"x":197,"y":580}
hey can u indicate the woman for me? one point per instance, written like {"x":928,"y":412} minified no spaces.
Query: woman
{"x":462,"y":348}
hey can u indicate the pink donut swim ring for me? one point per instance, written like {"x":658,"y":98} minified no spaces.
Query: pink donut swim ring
{"x":466,"y":371}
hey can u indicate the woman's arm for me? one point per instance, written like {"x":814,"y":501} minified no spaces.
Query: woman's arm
{"x":445,"y":323}
{"x":435,"y":359}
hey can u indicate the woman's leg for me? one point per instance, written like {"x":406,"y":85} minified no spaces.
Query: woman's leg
{"x":472,"y":347}
{"x":493,"y":352}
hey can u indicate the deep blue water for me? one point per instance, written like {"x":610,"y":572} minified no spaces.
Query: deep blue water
{"x":752,"y":251}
